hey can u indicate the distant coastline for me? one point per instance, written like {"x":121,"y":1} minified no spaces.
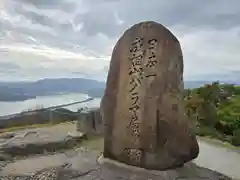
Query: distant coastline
{"x":22,"y":91}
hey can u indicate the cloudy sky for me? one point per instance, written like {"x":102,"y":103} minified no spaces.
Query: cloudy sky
{"x":75,"y":38}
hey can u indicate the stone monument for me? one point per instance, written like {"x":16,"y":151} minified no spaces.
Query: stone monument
{"x":142,"y":107}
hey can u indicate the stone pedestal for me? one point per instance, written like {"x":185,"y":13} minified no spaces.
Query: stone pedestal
{"x":90,"y":122}
{"x":142,"y":106}
{"x":81,"y":124}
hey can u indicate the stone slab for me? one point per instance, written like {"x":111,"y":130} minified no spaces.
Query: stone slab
{"x":142,"y":106}
{"x":41,"y":140}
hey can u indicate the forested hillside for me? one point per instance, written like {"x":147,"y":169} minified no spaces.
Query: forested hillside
{"x":216,"y":110}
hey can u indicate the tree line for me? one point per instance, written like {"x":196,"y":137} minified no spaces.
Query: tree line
{"x":215,"y":108}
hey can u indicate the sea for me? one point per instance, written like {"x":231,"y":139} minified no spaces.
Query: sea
{"x":8,"y":108}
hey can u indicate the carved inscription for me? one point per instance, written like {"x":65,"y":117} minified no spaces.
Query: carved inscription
{"x":151,"y":57}
{"x":137,"y":75}
{"x":135,"y":155}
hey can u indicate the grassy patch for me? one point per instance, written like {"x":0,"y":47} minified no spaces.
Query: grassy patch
{"x":18,"y":128}
{"x":210,"y":133}
{"x":94,"y":142}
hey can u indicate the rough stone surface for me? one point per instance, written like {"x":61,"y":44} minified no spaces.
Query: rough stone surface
{"x":142,"y":106}
{"x":39,"y":141}
{"x":82,"y":165}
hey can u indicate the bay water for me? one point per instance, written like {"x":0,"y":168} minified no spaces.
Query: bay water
{"x":7,"y":108}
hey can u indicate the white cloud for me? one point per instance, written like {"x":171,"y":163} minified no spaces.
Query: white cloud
{"x":211,"y":52}
{"x":76,"y":37}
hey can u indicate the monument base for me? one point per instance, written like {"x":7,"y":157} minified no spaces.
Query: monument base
{"x":103,"y":160}
{"x":186,"y":172}
{"x":159,"y":161}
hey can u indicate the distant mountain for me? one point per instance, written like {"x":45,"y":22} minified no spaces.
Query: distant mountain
{"x":19,"y":91}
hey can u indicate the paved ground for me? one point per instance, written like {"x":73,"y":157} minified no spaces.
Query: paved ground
{"x":219,"y":158}
{"x":81,"y":163}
